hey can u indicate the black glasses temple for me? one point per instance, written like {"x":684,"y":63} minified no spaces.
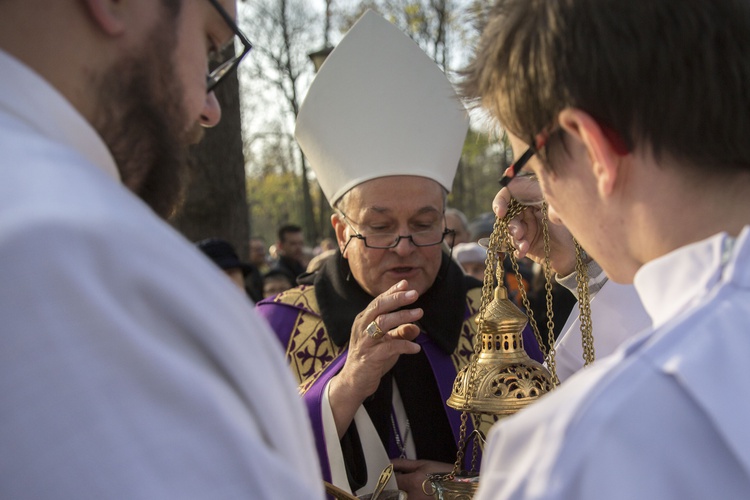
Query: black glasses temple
{"x":516,"y":167}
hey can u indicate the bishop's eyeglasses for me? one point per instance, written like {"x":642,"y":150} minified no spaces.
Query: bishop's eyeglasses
{"x":221,"y":65}
{"x":381,"y":241}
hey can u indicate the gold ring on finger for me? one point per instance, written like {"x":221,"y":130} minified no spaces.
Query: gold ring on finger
{"x":374,"y":331}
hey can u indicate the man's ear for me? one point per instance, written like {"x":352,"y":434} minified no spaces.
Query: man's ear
{"x":604,"y":157}
{"x":339,"y":227}
{"x":108,"y":14}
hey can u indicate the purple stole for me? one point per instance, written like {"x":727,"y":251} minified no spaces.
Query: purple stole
{"x":315,"y":359}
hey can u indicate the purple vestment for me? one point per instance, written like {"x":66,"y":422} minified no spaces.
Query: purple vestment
{"x":294,"y":317}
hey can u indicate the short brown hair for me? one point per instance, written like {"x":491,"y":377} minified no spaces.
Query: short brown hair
{"x":671,"y":74}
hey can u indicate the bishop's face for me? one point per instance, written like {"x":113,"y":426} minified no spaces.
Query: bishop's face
{"x":398,"y":205}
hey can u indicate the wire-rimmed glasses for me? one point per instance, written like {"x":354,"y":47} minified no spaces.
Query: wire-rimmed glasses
{"x":383,"y":241}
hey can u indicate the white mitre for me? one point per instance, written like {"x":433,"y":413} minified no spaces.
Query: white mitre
{"x":379,"y":106}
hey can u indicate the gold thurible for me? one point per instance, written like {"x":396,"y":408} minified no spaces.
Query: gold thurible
{"x":500,"y":378}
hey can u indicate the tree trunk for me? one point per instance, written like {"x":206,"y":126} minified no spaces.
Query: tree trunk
{"x":215,"y":204}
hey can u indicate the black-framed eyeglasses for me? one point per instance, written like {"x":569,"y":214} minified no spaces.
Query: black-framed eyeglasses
{"x":220,"y":66}
{"x":383,"y":241}
{"x":516,"y":167}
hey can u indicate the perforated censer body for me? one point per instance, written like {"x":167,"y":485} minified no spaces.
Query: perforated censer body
{"x":504,"y":378}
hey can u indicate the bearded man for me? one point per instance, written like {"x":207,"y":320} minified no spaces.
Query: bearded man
{"x":123,"y":368}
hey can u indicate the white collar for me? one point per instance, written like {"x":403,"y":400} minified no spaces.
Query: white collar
{"x":675,"y":281}
{"x":29,"y":98}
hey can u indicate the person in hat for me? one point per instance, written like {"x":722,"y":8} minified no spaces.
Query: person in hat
{"x":472,"y":257}
{"x":243,"y":274}
{"x":124,"y":369}
{"x":645,"y":159}
{"x":378,"y":333}
{"x":223,"y":254}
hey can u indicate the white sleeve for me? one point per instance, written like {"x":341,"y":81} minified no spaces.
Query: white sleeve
{"x":617,"y":315}
{"x":376,"y":457}
{"x":131,"y":368}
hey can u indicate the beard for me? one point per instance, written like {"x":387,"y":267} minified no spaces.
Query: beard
{"x":144,"y":124}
